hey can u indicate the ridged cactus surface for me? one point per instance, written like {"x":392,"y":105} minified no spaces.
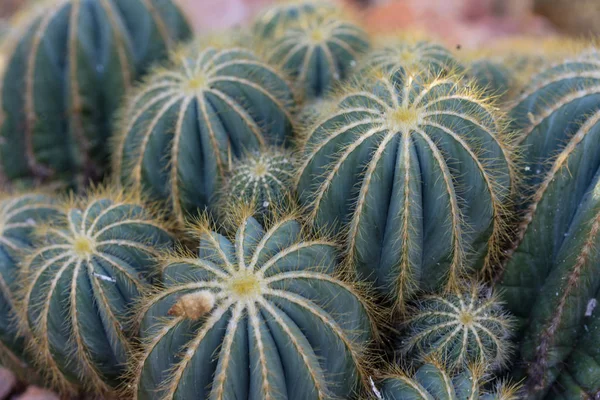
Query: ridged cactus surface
{"x":318,"y":51}
{"x":553,"y":269}
{"x":67,"y":75}
{"x":184,"y":127}
{"x":257,"y":317}
{"x":416,"y":175}
{"x":79,"y":285}
{"x":19,"y":216}
{"x":273,"y":21}
{"x":460,"y":328}
{"x":493,"y":77}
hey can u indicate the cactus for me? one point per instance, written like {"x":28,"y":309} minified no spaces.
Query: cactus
{"x":273,"y":20}
{"x":259,"y":317}
{"x":432,"y":381}
{"x":413,"y":55}
{"x":318,"y":51}
{"x":67,"y":75}
{"x":552,"y":270}
{"x":494,"y":77}
{"x":460,"y":328}
{"x":262,"y":181}
{"x":416,"y":174}
{"x":188,"y":121}
{"x":78,"y":286}
{"x":19,"y":215}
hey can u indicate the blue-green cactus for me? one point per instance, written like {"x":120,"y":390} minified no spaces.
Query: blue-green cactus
{"x":67,"y":75}
{"x":273,"y":20}
{"x":260,"y":316}
{"x":79,"y":283}
{"x":493,"y":77}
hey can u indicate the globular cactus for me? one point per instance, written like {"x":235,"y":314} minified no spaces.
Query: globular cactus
{"x":66,"y":76}
{"x":414,"y":55}
{"x":460,"y":328}
{"x":183,"y":127}
{"x":258,"y":317}
{"x":416,"y":174}
{"x":19,"y":216}
{"x":432,"y":381}
{"x":262,"y":181}
{"x":553,"y":268}
{"x":273,"y":20}
{"x":493,"y":77}
{"x":318,"y":51}
{"x":79,"y":284}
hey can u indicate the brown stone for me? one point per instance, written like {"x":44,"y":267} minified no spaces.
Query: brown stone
{"x":8,"y":383}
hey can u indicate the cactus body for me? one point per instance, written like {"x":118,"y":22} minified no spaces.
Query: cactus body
{"x":66,"y":77}
{"x":413,"y":173}
{"x":79,"y":284}
{"x":318,"y":51}
{"x":494,"y":77}
{"x":185,"y":126}
{"x":262,"y":181}
{"x":553,"y":268}
{"x":261,"y":317}
{"x":19,"y":215}
{"x":462,"y":328}
{"x":273,"y":21}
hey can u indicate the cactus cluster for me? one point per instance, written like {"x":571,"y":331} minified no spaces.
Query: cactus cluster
{"x":296,"y":209}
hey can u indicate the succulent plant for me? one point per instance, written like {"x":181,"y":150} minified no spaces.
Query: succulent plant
{"x":260,"y":316}
{"x":553,"y":267}
{"x":78,"y":286}
{"x":184,"y":126}
{"x":67,"y":75}
{"x":19,"y":215}
{"x":273,"y":20}
{"x":493,"y":76}
{"x":263,"y":181}
{"x":460,"y":328}
{"x":318,"y":51}
{"x":416,"y":174}
{"x":432,"y":381}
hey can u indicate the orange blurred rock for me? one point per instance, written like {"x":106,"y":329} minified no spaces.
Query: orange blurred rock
{"x":36,"y":393}
{"x":8,"y":383}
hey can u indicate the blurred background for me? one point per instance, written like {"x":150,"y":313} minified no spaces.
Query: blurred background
{"x":464,"y":23}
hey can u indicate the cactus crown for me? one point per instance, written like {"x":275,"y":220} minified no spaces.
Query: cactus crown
{"x":273,"y":21}
{"x":460,"y":328}
{"x":261,"y":316}
{"x":420,"y":129}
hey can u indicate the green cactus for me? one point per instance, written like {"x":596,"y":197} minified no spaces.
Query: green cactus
{"x":258,"y":317}
{"x":273,"y":20}
{"x":460,"y":328}
{"x":19,"y":215}
{"x":416,"y":174}
{"x":494,"y":77}
{"x":78,"y":286}
{"x":184,"y":126}
{"x":262,"y":180}
{"x":67,"y":75}
{"x":553,"y":267}
{"x":318,"y":51}
{"x":433,"y":382}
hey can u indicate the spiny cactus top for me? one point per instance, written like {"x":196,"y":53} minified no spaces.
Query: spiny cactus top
{"x":554,"y":265}
{"x":492,"y":76}
{"x":318,"y":51}
{"x":262,"y":180}
{"x":273,"y":21}
{"x":420,"y":56}
{"x":79,"y":284}
{"x":184,"y":126}
{"x":260,"y":317}
{"x":416,"y":173}
{"x":19,"y":215}
{"x":460,"y":328}
{"x":431,"y":381}
{"x":66,"y":77}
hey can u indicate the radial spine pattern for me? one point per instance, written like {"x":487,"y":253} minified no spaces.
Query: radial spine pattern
{"x":79,"y":285}
{"x":188,"y":122}
{"x":273,"y":21}
{"x":416,"y":174}
{"x":260,"y":317}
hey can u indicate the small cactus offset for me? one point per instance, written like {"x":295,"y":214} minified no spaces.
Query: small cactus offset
{"x":460,"y":328}
{"x":187,"y":123}
{"x":262,"y":181}
{"x":432,"y":381}
{"x":415,"y":173}
{"x":493,"y":77}
{"x":19,"y":216}
{"x":274,"y":20}
{"x":319,"y":50}
{"x":79,"y":284}
{"x":260,"y":316}
{"x":552,"y":272}
{"x":67,"y":75}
